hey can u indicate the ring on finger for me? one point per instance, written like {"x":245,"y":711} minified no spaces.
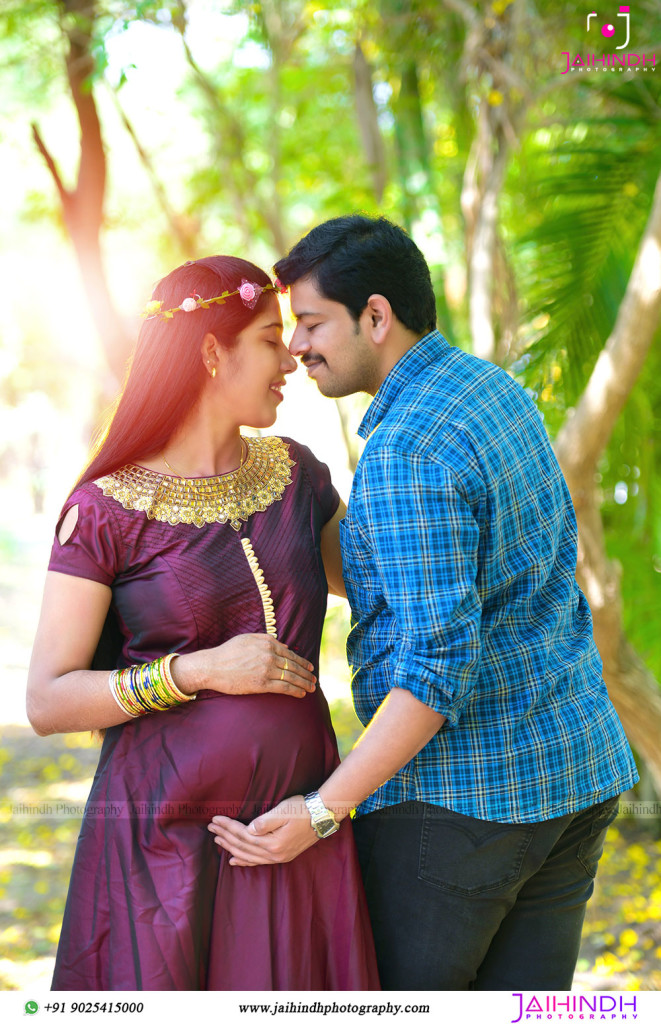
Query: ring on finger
{"x":284,"y":669}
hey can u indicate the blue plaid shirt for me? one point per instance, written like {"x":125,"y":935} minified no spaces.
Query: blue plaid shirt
{"x":459,"y":552}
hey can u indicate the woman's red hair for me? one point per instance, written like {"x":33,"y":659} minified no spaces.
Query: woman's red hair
{"x":166,"y":373}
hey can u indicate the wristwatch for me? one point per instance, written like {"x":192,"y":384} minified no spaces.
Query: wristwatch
{"x":323,"y":821}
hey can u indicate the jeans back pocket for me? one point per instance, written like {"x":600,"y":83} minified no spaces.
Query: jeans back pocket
{"x":468,"y":856}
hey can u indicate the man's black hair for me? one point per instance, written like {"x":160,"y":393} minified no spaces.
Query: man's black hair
{"x":350,"y":258}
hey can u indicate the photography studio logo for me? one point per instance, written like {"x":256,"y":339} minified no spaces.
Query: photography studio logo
{"x":608,"y":30}
{"x":618,"y":33}
{"x":530,"y":1008}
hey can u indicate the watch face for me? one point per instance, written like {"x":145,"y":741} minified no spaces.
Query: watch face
{"x":326,"y":827}
{"x":322,"y":820}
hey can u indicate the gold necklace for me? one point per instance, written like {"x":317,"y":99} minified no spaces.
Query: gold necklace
{"x":244,"y":447}
{"x":232,"y":498}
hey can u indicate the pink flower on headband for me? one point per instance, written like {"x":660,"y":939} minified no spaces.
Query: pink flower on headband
{"x":282,"y":288}
{"x":249,"y":293}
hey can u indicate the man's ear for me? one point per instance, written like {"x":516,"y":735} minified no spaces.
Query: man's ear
{"x":377,"y":318}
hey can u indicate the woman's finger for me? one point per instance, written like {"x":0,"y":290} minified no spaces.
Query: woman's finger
{"x":290,"y":673}
{"x":294,"y":663}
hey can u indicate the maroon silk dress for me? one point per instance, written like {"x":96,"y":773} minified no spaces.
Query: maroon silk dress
{"x":153,"y":903}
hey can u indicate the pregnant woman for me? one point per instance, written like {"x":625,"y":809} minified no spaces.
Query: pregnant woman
{"x":182,"y":615}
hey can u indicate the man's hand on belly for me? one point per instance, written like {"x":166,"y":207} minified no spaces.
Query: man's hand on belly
{"x":276,"y":837}
{"x":400,"y":728}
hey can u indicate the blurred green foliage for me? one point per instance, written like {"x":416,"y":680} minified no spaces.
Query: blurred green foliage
{"x":346,"y":724}
{"x":270,"y":119}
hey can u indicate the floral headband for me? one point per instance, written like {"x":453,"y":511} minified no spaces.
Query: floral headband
{"x":248,"y":292}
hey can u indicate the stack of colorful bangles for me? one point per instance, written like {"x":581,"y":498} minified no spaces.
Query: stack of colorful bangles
{"x":139,"y":689}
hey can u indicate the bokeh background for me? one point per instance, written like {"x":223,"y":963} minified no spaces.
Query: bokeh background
{"x":521,"y":149}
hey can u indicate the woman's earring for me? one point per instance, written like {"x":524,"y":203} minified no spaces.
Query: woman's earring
{"x":213,"y":372}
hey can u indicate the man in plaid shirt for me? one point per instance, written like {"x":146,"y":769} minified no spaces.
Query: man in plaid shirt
{"x":492,"y":758}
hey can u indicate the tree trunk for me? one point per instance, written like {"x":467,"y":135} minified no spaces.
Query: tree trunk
{"x":83,"y":206}
{"x":488,"y":49}
{"x":582,"y":440}
{"x":482,"y":252}
{"x":368,"y":122}
{"x":411,"y":142}
{"x":185,"y":229}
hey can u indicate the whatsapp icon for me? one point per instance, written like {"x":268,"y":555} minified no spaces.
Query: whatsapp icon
{"x":31,"y":1006}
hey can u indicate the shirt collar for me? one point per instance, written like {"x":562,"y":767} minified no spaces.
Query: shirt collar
{"x":429,"y":349}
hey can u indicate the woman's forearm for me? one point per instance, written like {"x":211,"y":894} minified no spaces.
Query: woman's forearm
{"x":74,"y":702}
{"x":81,"y":699}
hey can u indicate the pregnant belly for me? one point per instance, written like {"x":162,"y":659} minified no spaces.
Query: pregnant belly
{"x":222,"y":754}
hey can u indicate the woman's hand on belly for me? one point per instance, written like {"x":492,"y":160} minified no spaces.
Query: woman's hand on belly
{"x":248,"y":663}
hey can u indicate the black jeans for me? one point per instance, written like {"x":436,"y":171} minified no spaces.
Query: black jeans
{"x":459,"y":903}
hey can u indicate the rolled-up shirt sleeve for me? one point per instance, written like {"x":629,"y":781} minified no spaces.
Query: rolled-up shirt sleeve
{"x":424,"y":536}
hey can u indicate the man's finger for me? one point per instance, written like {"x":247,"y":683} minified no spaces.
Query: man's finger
{"x":240,"y":858}
{"x":230,"y":827}
{"x":242,"y":853}
{"x":237,"y":837}
{"x":251,"y":835}
{"x":266,"y":824}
